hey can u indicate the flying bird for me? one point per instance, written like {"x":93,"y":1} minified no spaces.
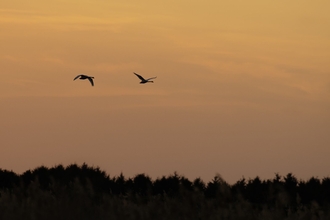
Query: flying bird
{"x":143,"y":80}
{"x":83,"y":77}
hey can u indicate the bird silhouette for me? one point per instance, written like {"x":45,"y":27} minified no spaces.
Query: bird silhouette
{"x":83,"y":77}
{"x":143,"y":80}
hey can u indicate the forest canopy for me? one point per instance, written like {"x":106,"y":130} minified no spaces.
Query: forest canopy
{"x":86,"y":192}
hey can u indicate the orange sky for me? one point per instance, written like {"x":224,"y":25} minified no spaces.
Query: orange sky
{"x":242,"y":88}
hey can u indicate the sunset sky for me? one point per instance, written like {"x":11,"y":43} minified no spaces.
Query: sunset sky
{"x":242,"y":88}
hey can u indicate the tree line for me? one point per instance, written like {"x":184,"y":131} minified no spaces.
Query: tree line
{"x":85,"y":189}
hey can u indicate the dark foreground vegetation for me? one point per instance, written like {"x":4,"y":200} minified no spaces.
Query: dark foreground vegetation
{"x":84,"y":192}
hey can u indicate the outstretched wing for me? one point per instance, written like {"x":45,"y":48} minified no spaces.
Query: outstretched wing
{"x":91,"y":80}
{"x":152,"y":78}
{"x":76,"y":77}
{"x":140,"y":77}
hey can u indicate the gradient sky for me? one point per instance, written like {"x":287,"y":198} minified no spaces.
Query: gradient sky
{"x":242,"y":88}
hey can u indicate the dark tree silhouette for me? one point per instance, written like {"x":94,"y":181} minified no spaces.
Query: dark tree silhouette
{"x":256,"y":191}
{"x":8,"y":179}
{"x":167,"y":185}
{"x":142,"y":184}
{"x":199,"y":185}
{"x":310,"y":191}
{"x":86,"y":192}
